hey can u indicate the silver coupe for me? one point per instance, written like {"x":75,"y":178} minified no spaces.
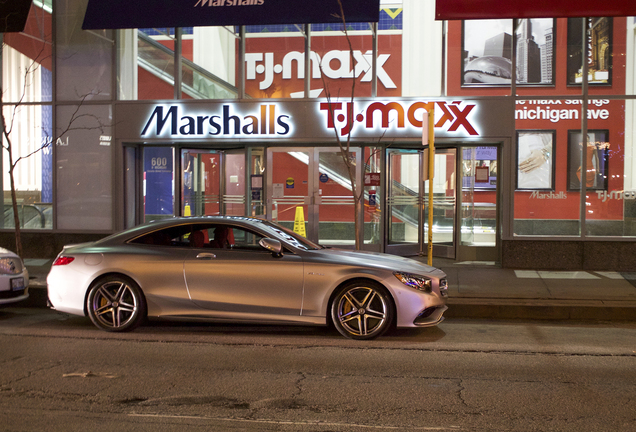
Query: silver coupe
{"x":240,"y":269}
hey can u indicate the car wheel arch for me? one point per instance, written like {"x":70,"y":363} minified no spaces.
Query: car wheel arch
{"x":363,"y":280}
{"x":103,"y":276}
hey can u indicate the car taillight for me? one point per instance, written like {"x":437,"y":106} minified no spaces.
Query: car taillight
{"x":63,"y":260}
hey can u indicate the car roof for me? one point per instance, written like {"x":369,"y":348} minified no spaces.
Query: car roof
{"x":175,"y":221}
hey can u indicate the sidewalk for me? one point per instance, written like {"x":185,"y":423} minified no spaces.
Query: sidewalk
{"x":484,"y":290}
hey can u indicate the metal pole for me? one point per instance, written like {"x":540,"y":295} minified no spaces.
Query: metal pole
{"x":178,"y":62}
{"x":241,"y":65}
{"x":307,"y":60}
{"x":584,"y":126}
{"x":431,"y":175}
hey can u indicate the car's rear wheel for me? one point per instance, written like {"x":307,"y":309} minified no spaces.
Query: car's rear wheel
{"x":362,"y":310}
{"x":116,"y":304}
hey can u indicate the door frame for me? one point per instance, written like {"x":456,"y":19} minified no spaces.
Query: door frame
{"x":456,"y":251}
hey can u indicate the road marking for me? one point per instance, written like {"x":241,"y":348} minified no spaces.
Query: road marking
{"x":296,"y":423}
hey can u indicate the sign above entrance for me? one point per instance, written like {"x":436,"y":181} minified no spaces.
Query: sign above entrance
{"x":362,"y":119}
{"x":121,"y":14}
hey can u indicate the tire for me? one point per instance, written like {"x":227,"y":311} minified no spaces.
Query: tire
{"x":362,"y":310}
{"x":116,"y":304}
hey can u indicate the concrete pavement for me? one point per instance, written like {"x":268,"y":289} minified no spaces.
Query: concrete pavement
{"x":485,"y":290}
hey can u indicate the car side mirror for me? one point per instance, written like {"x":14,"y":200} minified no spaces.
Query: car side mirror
{"x":272,"y":245}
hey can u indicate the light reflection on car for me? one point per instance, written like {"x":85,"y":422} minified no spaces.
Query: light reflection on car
{"x":240,"y":269}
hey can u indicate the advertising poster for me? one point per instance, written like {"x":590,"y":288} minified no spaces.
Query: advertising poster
{"x":158,"y":174}
{"x":535,"y":160}
{"x":599,"y":61}
{"x":596,"y":159}
{"x":487,"y":52}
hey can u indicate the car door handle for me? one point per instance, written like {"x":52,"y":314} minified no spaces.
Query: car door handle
{"x":206,"y":256}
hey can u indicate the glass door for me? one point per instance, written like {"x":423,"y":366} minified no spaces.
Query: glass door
{"x":479,"y":204}
{"x":290,"y":189}
{"x":404,"y":198}
{"x":234,"y":181}
{"x":309,"y":191}
{"x":213,"y":182}
{"x":335,"y":212}
{"x":444,"y":204}
{"x":200,"y":182}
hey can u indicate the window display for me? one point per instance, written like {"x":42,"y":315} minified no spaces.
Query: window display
{"x":535,"y":155}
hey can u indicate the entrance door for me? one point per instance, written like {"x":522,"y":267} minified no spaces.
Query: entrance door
{"x":309,"y":191}
{"x":404,"y":198}
{"x":478,"y":203}
{"x":465,"y":204}
{"x":213,"y":182}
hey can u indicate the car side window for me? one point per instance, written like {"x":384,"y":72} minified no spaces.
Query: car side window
{"x":246,"y":240}
{"x":214,"y":236}
{"x":173,"y":236}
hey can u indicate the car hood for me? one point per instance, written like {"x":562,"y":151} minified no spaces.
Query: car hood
{"x":371,"y":259}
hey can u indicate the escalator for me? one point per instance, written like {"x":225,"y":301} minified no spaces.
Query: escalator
{"x":198,"y":83}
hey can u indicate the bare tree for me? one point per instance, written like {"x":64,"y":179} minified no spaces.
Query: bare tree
{"x":9,"y":119}
{"x":357,"y":191}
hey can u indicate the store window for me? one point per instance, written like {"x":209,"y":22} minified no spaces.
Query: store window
{"x":29,"y":133}
{"x":84,"y":59}
{"x":610,"y":205}
{"x":26,"y":58}
{"x":575,"y":177}
{"x":84,"y":168}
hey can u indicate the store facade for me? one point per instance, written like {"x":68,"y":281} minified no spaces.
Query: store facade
{"x":141,"y":124}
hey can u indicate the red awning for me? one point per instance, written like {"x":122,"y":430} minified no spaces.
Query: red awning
{"x":497,"y":9}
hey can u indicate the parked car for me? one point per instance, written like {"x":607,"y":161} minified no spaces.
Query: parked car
{"x":14,"y":278}
{"x":241,"y":269}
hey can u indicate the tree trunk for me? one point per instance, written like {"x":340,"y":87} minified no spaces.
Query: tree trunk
{"x":14,"y":205}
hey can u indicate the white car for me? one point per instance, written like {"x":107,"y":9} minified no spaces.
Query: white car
{"x":14,"y":278}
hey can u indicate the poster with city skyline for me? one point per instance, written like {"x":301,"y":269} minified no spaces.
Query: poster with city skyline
{"x":599,"y":60}
{"x":487,"y":52}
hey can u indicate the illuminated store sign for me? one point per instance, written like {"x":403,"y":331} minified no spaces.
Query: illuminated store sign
{"x":172,"y":121}
{"x":361,"y":119}
{"x":379,"y":116}
{"x":119,"y":14}
{"x":264,"y":64}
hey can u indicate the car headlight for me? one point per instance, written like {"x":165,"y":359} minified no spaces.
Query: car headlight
{"x":10,"y":266}
{"x":420,"y":283}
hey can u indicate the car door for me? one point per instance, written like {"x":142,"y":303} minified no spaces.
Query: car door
{"x":232,"y":275}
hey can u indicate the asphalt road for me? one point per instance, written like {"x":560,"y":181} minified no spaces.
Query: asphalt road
{"x":59,"y":373}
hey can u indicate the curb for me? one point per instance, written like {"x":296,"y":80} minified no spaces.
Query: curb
{"x":486,"y":308}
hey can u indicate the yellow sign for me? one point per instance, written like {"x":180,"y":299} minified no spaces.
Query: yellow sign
{"x":299,"y":222}
{"x":186,"y":210}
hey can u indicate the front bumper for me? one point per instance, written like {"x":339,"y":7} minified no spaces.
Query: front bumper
{"x":430,"y":316}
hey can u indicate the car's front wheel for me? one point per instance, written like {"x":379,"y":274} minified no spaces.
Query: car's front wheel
{"x":362,"y":310}
{"x":116,"y":304}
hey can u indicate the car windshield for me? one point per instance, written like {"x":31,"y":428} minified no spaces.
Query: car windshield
{"x":289,"y":236}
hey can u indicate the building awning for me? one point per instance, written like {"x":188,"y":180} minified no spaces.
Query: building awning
{"x":121,"y":14}
{"x":13,"y":15}
{"x":497,"y":9}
